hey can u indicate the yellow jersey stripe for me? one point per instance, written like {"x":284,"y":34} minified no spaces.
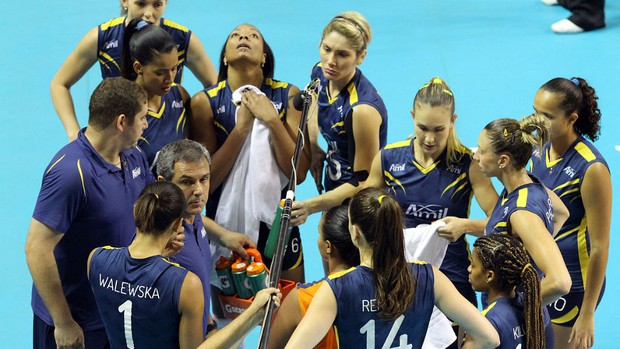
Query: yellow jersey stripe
{"x":548,"y":162}
{"x":427,"y":169}
{"x":458,"y":189}
{"x":398,"y":144}
{"x":212,"y":93}
{"x":569,"y":191}
{"x":144,"y":139}
{"x":585,"y":152}
{"x":112,"y":23}
{"x":485,"y":311}
{"x":171,"y":262}
{"x":157,"y":115}
{"x":175,"y":25}
{"x":337,"y":336}
{"x":352,"y":94}
{"x":331,"y":100}
{"x":454,"y":183}
{"x":55,"y":163}
{"x":299,"y":260}
{"x":109,"y":59}
{"x":582,"y":250}
{"x":575,"y":181}
{"x":567,"y":317}
{"x":276,"y":84}
{"x":522,"y":198}
{"x":81,"y":176}
{"x":218,"y":125}
{"x":340,"y":273}
{"x":181,"y":121}
{"x":500,"y":225}
{"x":565,"y":234}
{"x":108,"y":247}
{"x":390,"y":177}
{"x":340,"y":123}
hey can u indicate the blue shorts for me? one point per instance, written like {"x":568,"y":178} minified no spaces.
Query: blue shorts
{"x":43,"y":337}
{"x":293,"y":254}
{"x":566,"y":309}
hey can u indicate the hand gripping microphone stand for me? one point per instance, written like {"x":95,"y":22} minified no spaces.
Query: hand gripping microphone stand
{"x":303,"y":100}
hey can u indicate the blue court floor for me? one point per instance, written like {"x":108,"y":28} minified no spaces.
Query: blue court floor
{"x":493,"y":54}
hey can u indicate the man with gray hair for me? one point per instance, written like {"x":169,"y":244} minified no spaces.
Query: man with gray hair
{"x":187,"y":164}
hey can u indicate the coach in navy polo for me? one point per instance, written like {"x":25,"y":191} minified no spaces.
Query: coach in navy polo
{"x":86,"y":201}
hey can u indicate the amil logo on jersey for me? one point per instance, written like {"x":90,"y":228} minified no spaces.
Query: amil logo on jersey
{"x":136,"y":172}
{"x":397,"y":167}
{"x":569,"y":171}
{"x":427,"y":211}
{"x":111,"y":44}
{"x":177,"y":104}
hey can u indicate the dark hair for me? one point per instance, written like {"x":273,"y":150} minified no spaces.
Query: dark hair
{"x":507,"y":258}
{"x":380,"y":219}
{"x":113,"y":97}
{"x":143,"y":44}
{"x":158,"y":206}
{"x":268,"y":68}
{"x":516,"y":138}
{"x":181,"y":150}
{"x":335,"y":228}
{"x":578,"y":97}
{"x":437,"y":93}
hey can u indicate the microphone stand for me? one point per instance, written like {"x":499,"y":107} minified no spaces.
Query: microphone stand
{"x":285,"y":219}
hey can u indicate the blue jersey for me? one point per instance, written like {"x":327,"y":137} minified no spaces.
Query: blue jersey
{"x":224,"y":111}
{"x":358,"y":324}
{"x":530,"y":197}
{"x":195,"y":256}
{"x":110,"y":45}
{"x":565,"y":177}
{"x":335,"y":123}
{"x":166,"y":125}
{"x":506,"y":315}
{"x":427,"y":194}
{"x":224,"y":119}
{"x":91,"y":202}
{"x":138,"y":298}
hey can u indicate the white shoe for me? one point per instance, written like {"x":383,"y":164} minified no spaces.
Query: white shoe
{"x":566,"y":27}
{"x":550,"y":2}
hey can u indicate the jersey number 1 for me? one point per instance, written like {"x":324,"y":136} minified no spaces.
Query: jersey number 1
{"x":125,"y":308}
{"x":369,"y":329}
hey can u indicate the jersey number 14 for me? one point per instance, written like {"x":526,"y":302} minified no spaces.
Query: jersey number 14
{"x":369,"y":329}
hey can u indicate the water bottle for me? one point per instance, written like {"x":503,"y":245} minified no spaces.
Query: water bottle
{"x":224,"y":274}
{"x":257,"y":277}
{"x":240,"y":279}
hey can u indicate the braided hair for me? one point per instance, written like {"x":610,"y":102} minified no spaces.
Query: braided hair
{"x":507,"y":258}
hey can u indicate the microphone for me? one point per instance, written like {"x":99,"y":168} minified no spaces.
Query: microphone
{"x":313,"y":86}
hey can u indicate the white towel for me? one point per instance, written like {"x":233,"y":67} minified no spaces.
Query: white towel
{"x":423,"y":244}
{"x":251,"y":192}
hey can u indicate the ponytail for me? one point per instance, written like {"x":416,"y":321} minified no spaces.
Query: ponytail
{"x":517,"y":138}
{"x":142,"y":42}
{"x":159,"y":205}
{"x":379,"y":217}
{"x":577,"y":96}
